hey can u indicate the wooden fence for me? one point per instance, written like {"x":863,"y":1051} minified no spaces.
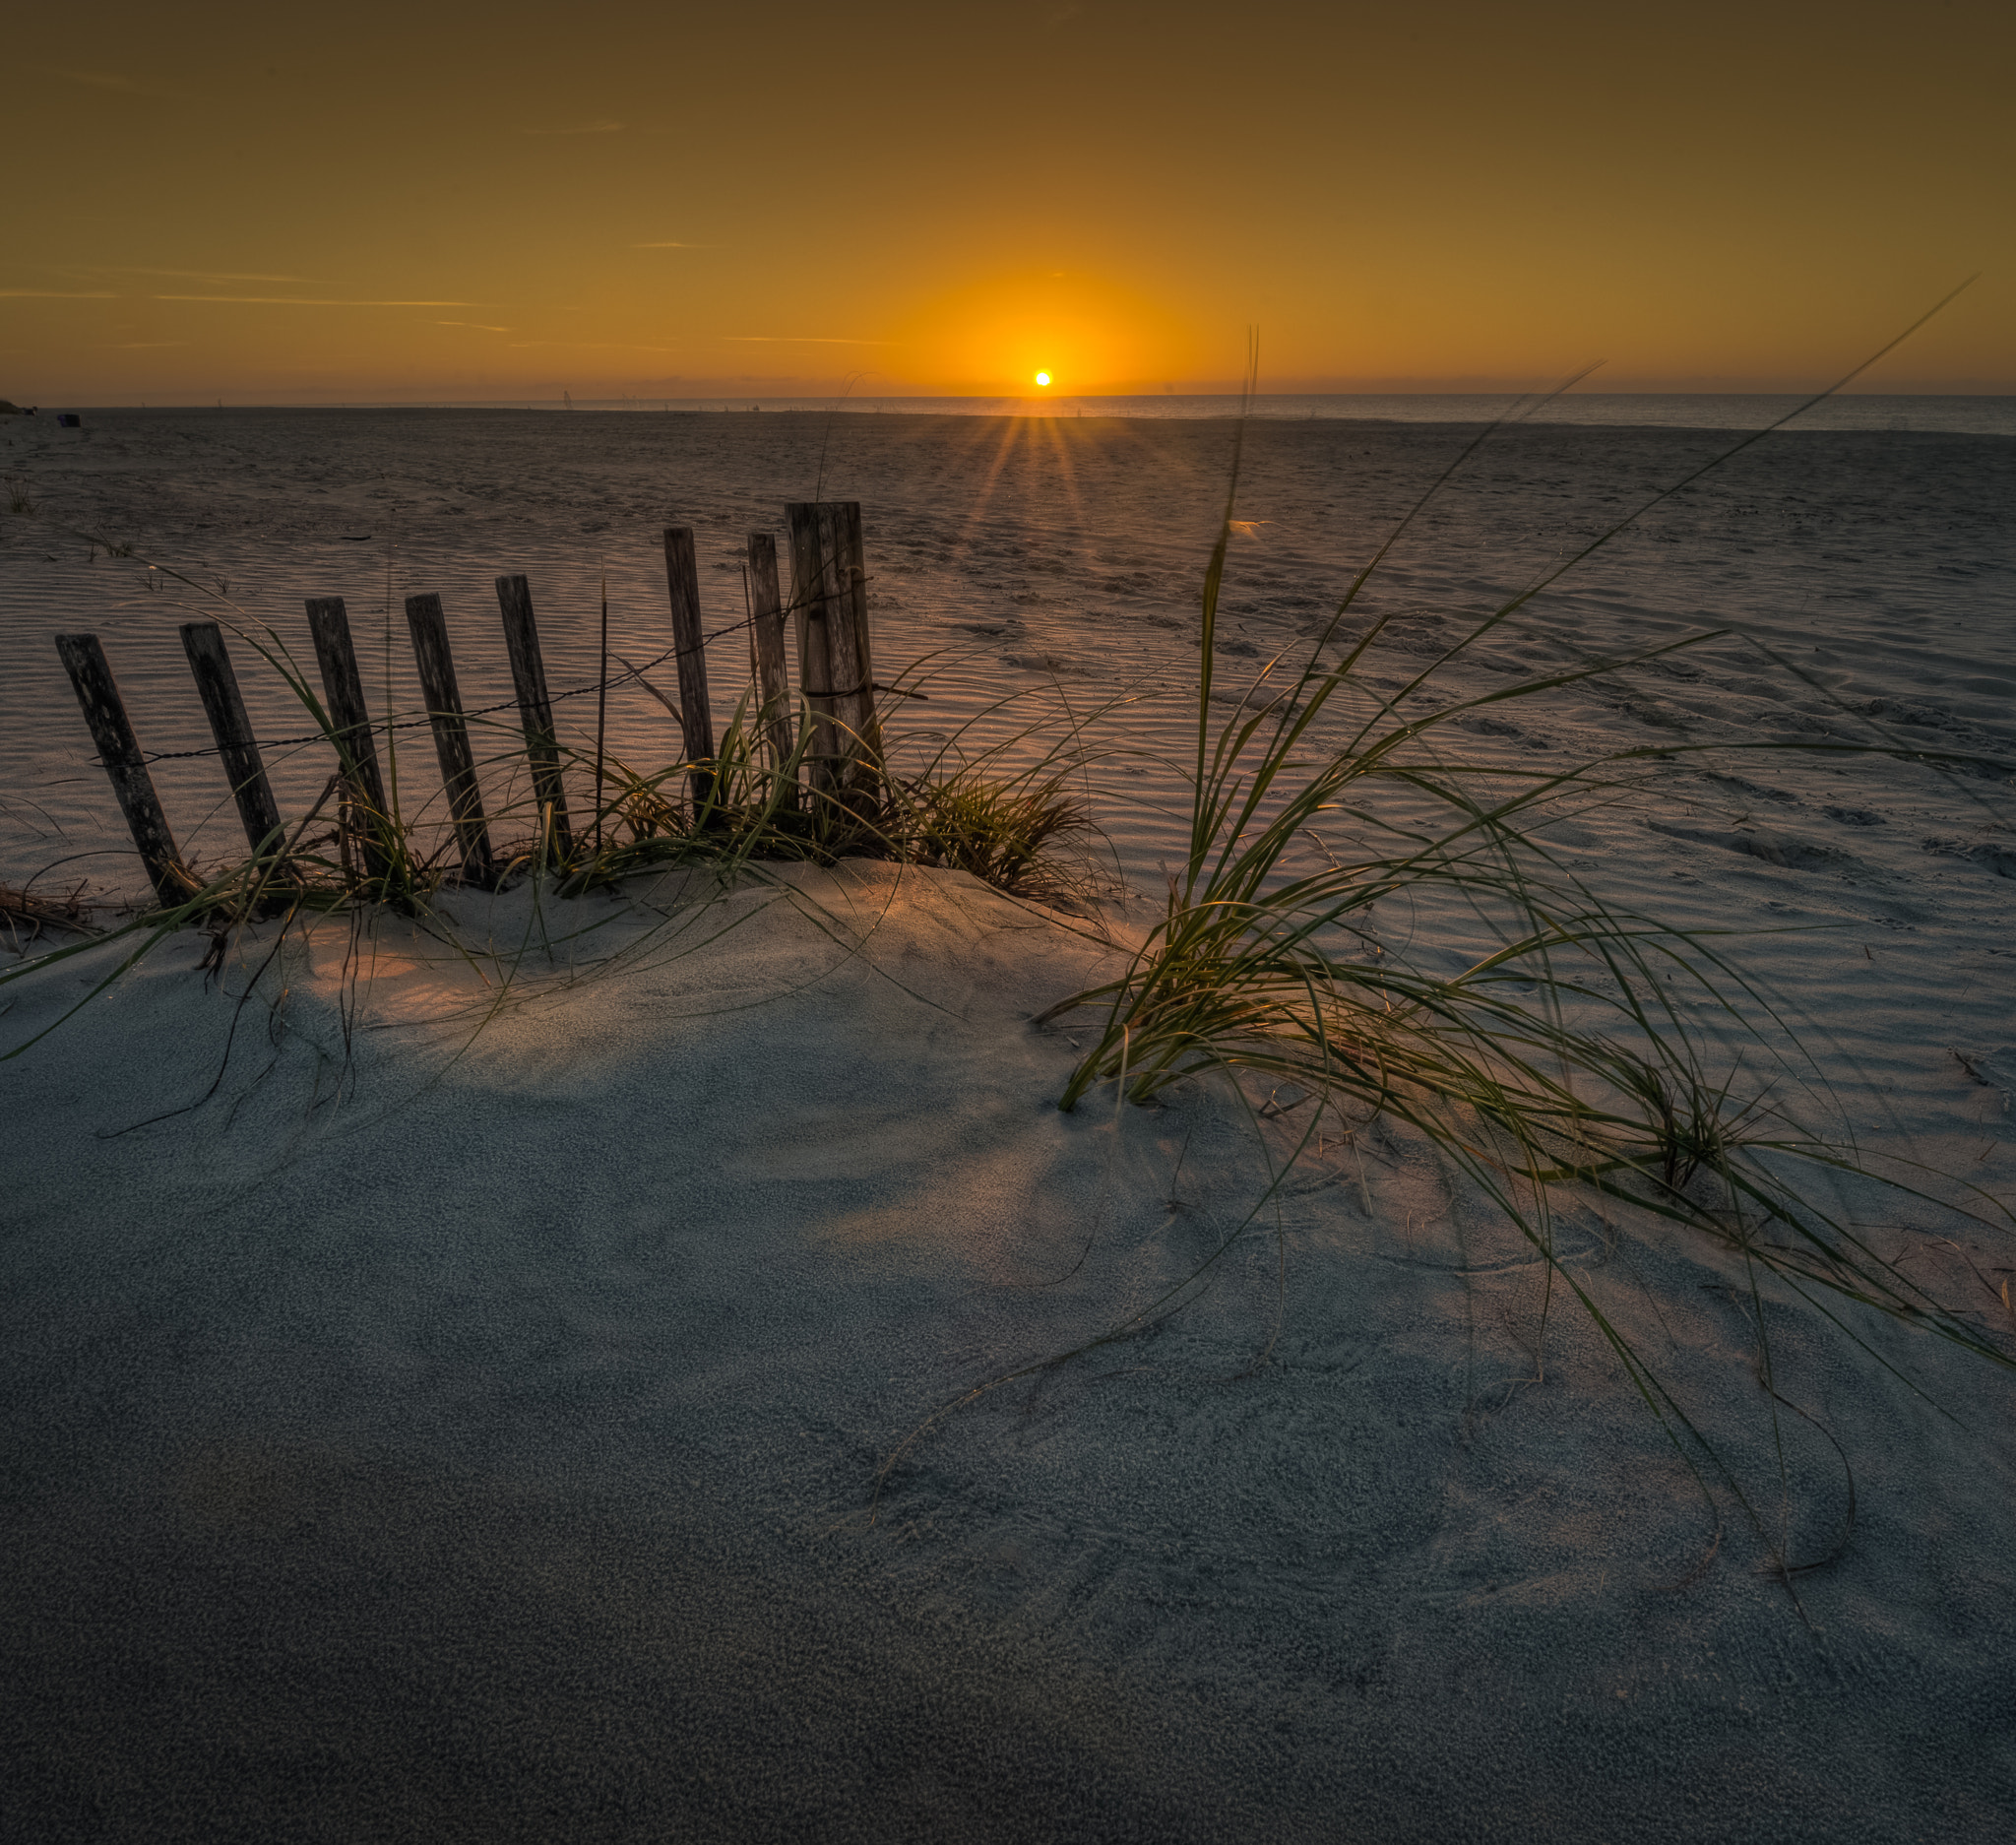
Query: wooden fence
{"x":829,"y":610}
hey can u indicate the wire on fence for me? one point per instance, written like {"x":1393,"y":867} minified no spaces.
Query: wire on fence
{"x":482,"y":711}
{"x":601,"y":685}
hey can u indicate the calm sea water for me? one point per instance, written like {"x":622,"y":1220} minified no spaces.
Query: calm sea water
{"x":1942,"y":415}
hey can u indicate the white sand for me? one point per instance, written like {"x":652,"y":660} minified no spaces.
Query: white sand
{"x":473,"y":1436}
{"x":485,"y":1452}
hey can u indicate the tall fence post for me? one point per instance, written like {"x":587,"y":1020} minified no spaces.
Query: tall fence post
{"x":809,"y":600}
{"x":854,"y":664}
{"x":835,"y":667}
{"x":105,"y":712}
{"x":696,"y":715}
{"x":217,"y":684}
{"x":528,"y":675}
{"x":350,"y":720}
{"x":429,"y":627}
{"x":765,"y":642}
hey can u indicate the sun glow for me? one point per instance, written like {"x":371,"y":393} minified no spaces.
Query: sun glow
{"x":1036,"y":335}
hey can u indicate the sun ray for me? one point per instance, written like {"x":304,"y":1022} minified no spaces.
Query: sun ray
{"x":1058,"y":441}
{"x":1010,"y":430}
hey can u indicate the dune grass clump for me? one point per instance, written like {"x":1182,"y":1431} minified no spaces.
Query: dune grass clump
{"x":1543,"y":1043}
{"x":1573,"y":1044}
{"x":998,"y":833}
{"x":1017,"y":829}
{"x":26,"y":916}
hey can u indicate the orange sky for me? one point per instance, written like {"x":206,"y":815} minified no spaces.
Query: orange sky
{"x":434,"y":201}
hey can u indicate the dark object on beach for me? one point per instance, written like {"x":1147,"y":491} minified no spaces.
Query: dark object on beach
{"x":766,"y":629}
{"x":835,"y":670}
{"x":350,"y":720}
{"x":451,"y":735}
{"x":9,"y":410}
{"x":225,"y":706}
{"x":69,"y":419}
{"x":98,"y":695}
{"x":24,"y":916}
{"x":528,"y":675}
{"x":696,"y":716}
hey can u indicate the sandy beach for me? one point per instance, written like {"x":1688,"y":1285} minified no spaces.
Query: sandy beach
{"x":460,"y":1409}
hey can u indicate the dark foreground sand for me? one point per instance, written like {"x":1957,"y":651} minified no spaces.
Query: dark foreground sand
{"x":476,"y":1442}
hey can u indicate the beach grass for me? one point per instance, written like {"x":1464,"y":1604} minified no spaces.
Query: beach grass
{"x":27,"y":915}
{"x":1543,"y":1043}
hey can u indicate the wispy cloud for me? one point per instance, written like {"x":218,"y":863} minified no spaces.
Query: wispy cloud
{"x":591,"y":345}
{"x":577,"y":128}
{"x":674,"y":246}
{"x":296,"y":301}
{"x":790,"y":338}
{"x":475,"y":326}
{"x":202,"y":275}
{"x":144,"y":346}
{"x":57,"y":294}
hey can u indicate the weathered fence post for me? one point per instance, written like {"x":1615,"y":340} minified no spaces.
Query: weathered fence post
{"x":451,"y":735}
{"x":836,"y":668}
{"x":815,"y":671}
{"x":766,"y":640}
{"x":528,"y":675}
{"x":209,"y":662}
{"x":350,"y":719}
{"x":126,"y":768}
{"x":843,"y":521}
{"x":696,"y":716}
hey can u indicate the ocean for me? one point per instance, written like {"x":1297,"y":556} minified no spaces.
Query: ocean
{"x":1950,"y":414}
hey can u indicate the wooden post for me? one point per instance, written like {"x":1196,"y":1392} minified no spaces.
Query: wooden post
{"x":350,"y":719}
{"x":852,"y":659}
{"x":815,"y":670}
{"x":106,"y":713}
{"x":766,"y":636}
{"x":528,"y":675}
{"x":835,"y":667}
{"x":225,"y":706}
{"x":696,"y":716}
{"x":451,"y":735}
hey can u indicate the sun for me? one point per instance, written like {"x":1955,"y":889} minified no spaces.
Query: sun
{"x":1042,"y":377}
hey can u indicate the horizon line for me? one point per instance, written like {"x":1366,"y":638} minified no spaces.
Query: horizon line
{"x":1228,"y":392}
